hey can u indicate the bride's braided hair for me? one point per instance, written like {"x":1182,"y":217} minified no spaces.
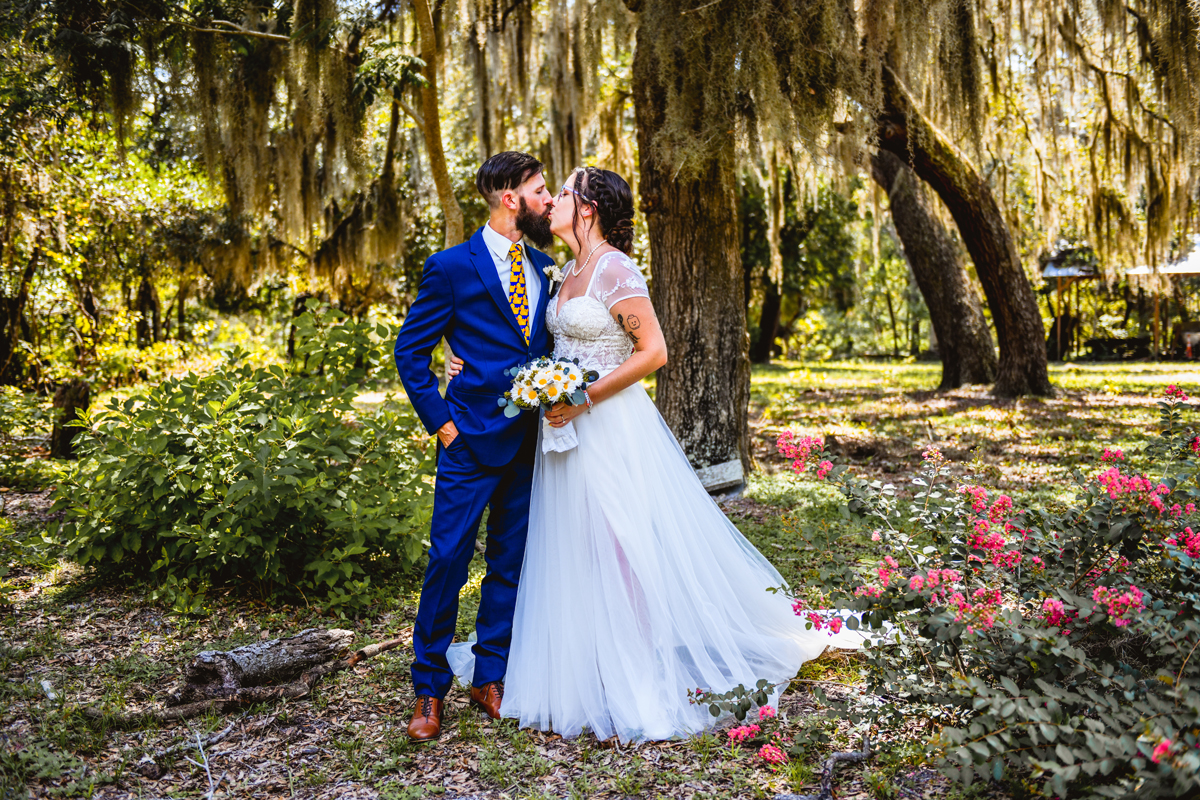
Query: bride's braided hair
{"x":609,"y":194}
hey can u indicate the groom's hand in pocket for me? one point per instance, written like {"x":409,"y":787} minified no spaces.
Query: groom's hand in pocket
{"x":447,"y":434}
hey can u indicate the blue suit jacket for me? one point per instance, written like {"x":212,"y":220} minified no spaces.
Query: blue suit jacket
{"x":461,"y":298}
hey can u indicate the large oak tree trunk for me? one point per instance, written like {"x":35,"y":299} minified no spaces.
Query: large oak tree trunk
{"x":704,"y":390}
{"x":964,"y":341}
{"x":905,"y":132}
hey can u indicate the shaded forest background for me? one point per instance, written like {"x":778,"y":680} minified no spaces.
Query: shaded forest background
{"x":817,"y":178}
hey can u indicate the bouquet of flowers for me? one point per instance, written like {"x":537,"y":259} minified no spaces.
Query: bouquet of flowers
{"x":541,"y":384}
{"x":544,"y":382}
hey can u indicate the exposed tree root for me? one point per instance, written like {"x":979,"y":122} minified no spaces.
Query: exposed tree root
{"x":826,"y":793}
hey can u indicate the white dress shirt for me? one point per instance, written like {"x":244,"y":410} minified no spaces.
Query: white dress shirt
{"x":499,"y":246}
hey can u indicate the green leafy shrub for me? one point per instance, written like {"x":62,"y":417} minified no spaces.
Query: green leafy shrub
{"x":1058,"y":649}
{"x":256,"y":476}
{"x":25,"y":422}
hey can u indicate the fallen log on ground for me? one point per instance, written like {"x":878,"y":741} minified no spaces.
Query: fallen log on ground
{"x":276,"y":670}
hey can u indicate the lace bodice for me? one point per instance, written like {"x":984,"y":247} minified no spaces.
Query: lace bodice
{"x":585,"y":328}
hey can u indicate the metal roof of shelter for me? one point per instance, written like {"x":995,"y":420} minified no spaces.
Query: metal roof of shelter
{"x":1052,"y":270}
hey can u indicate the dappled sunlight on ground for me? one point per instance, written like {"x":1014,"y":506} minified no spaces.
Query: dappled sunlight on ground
{"x":883,"y":416}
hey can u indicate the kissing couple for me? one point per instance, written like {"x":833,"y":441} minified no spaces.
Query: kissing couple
{"x":614,"y":583}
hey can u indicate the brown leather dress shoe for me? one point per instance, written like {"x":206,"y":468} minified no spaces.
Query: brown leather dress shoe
{"x":426,"y":719}
{"x":488,"y":697}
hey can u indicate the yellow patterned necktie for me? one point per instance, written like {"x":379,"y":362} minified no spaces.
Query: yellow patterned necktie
{"x":518,"y":297}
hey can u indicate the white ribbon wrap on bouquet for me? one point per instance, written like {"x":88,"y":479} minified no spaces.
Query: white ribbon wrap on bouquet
{"x":558,"y":440}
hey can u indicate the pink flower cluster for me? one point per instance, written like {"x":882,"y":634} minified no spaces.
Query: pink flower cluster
{"x":1119,"y":605}
{"x":1055,"y":614}
{"x":833,"y":622}
{"x":1162,"y":749}
{"x":1187,"y":541}
{"x":1001,"y":508}
{"x":801,"y":450}
{"x":767,"y":712}
{"x":933,"y":457}
{"x":1175,"y":393}
{"x":1178,"y":511}
{"x":1112,"y":456}
{"x":772,"y":754}
{"x":934,"y":579}
{"x":979,"y":611}
{"x":978,"y":496}
{"x":1196,"y":445}
{"x":984,"y":538}
{"x":1141,"y":488}
{"x":743,"y":732}
{"x":886,"y":569}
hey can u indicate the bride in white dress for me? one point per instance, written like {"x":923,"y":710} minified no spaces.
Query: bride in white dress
{"x":635,"y":587}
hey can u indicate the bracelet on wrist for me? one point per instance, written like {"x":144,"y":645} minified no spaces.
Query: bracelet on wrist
{"x":588,"y":399}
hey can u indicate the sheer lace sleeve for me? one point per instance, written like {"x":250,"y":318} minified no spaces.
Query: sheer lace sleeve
{"x":617,"y":278}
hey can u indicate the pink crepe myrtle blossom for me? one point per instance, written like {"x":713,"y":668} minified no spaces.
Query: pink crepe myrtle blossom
{"x":916,"y":583}
{"x":875,"y":537}
{"x":1162,"y":749}
{"x":1176,"y":511}
{"x":1054,"y":612}
{"x":1175,"y":394}
{"x":799,"y":450}
{"x":1037,"y":563}
{"x":1119,"y":605}
{"x":1196,"y":445}
{"x":1112,"y":455}
{"x":886,"y":569}
{"x":743,"y":732}
{"x":823,"y":469}
{"x":978,"y":496}
{"x":933,"y":457}
{"x":772,"y":754}
{"x":1189,"y":509}
{"x":766,"y":712}
{"x":833,"y":622}
{"x":1000,"y":508}
{"x":798,"y":607}
{"x":868,"y":591}
{"x":1187,"y":541}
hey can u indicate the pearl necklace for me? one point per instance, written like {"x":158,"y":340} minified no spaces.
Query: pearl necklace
{"x":578,"y":272}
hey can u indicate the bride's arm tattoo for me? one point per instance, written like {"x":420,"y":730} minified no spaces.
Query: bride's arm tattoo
{"x":630,"y":324}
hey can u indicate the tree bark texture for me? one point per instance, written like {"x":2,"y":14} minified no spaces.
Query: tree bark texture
{"x":704,"y":390}
{"x":904,"y":131}
{"x":149,"y":307}
{"x":432,"y":125}
{"x":12,"y":324}
{"x":70,"y":398}
{"x":964,"y":341}
{"x":768,"y":324}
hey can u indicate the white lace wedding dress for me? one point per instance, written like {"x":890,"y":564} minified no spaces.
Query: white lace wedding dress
{"x":635,"y":587}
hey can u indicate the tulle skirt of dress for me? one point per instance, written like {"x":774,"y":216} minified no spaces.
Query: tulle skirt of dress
{"x":636,"y":588}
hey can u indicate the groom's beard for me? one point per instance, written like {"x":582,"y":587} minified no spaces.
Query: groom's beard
{"x":535,"y":227}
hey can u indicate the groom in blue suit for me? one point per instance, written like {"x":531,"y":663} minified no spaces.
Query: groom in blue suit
{"x":487,"y":297}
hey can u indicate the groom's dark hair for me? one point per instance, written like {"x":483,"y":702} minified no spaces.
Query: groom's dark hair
{"x":505,"y":171}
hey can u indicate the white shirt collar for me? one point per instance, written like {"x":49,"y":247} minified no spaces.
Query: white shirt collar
{"x":498,"y":244}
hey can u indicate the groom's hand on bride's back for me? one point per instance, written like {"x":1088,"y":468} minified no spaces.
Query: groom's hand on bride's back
{"x":455,"y":366}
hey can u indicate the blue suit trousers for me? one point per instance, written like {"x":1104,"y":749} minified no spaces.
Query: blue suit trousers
{"x":464,"y":489}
